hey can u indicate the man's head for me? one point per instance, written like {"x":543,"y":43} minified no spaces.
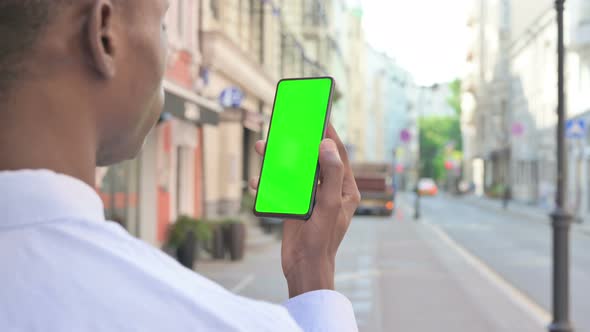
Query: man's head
{"x":99,"y":62}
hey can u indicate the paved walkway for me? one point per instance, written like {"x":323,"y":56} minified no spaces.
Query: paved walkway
{"x":400,"y":275}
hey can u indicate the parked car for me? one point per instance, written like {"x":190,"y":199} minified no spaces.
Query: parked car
{"x":427,"y":187}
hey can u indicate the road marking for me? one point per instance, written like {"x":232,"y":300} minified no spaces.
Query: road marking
{"x":243,"y":283}
{"x":537,"y":312}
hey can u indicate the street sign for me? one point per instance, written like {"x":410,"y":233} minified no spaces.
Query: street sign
{"x":405,"y":136}
{"x":399,"y":168}
{"x":231,"y":97}
{"x":575,"y":129}
{"x":517,"y":129}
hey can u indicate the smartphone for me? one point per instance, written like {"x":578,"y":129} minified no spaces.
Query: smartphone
{"x":290,"y":168}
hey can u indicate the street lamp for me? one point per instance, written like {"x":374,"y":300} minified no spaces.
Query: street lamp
{"x":418,"y":161}
{"x":561,"y":219}
{"x":419,"y":105}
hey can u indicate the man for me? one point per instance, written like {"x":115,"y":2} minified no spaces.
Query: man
{"x":81,"y":86}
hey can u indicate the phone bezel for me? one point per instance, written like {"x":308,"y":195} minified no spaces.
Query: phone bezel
{"x":307,"y":215}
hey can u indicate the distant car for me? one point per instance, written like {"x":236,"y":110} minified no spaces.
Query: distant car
{"x":427,"y":187}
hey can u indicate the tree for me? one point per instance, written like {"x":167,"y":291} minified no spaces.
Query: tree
{"x":440,"y":138}
{"x":454,"y":99}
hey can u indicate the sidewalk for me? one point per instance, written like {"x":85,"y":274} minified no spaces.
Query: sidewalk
{"x":400,"y":275}
{"x":255,"y":236}
{"x":519,"y":210}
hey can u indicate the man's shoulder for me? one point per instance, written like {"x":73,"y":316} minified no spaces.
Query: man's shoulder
{"x":99,"y":273}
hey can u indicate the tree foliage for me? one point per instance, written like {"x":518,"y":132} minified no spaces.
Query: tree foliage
{"x":440,"y":138}
{"x":454,"y":99}
{"x":438,"y":135}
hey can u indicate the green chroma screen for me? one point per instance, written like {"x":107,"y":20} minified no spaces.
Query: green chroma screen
{"x":292,"y":149}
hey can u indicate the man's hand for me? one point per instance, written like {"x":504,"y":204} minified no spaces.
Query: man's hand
{"x":309,"y":247}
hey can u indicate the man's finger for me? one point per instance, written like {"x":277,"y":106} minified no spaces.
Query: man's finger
{"x":260,"y":146}
{"x":333,"y":135}
{"x":349,"y":186}
{"x":253,"y":182}
{"x":332,"y":173}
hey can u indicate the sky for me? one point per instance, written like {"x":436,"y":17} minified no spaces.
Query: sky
{"x":429,"y":38}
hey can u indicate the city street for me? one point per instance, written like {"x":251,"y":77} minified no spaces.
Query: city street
{"x":517,"y":249}
{"x":461,"y":267}
{"x":440,"y":113}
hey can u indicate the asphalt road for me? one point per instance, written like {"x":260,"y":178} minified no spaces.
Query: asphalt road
{"x":517,"y":249}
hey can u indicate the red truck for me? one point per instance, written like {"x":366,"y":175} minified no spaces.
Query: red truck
{"x":375,"y":183}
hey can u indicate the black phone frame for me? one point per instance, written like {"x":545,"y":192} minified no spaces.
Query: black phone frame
{"x":307,"y":215}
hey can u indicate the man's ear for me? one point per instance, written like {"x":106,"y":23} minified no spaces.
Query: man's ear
{"x":101,"y":38}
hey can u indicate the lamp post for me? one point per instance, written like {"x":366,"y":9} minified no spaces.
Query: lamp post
{"x":418,"y":162}
{"x":561,"y":219}
{"x":420,"y":96}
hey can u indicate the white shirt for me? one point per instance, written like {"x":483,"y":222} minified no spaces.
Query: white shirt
{"x":64,"y":268}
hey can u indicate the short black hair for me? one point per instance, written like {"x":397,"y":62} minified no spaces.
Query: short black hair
{"x":21,"y":23}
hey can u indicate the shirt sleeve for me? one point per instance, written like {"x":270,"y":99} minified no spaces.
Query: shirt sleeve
{"x":322,"y":311}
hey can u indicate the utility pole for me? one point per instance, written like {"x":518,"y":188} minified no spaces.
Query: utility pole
{"x":561,"y":220}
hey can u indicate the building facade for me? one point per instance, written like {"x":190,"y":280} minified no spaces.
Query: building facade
{"x":374,"y":108}
{"x":388,"y":113}
{"x":578,"y":107}
{"x":510,"y":99}
{"x":486,"y":121}
{"x":338,"y":66}
{"x":225,"y":59}
{"x":235,"y":71}
{"x":166,"y":179}
{"x":357,"y":126}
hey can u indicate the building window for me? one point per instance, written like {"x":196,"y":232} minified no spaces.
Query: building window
{"x":214,"y":4}
{"x":505,"y":15}
{"x":118,"y":187}
{"x":180,"y":19}
{"x":256,"y":26}
{"x":314,"y":13}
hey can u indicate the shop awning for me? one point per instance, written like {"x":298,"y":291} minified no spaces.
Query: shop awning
{"x":189,"y":106}
{"x":253,"y":121}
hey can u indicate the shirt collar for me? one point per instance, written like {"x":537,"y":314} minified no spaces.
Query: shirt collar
{"x":34,"y":196}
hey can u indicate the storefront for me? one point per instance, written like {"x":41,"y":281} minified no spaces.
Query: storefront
{"x":118,"y":187}
{"x":180,"y":158}
{"x":166,"y":179}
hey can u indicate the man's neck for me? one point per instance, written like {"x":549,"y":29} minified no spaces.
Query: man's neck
{"x":38,"y":133}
